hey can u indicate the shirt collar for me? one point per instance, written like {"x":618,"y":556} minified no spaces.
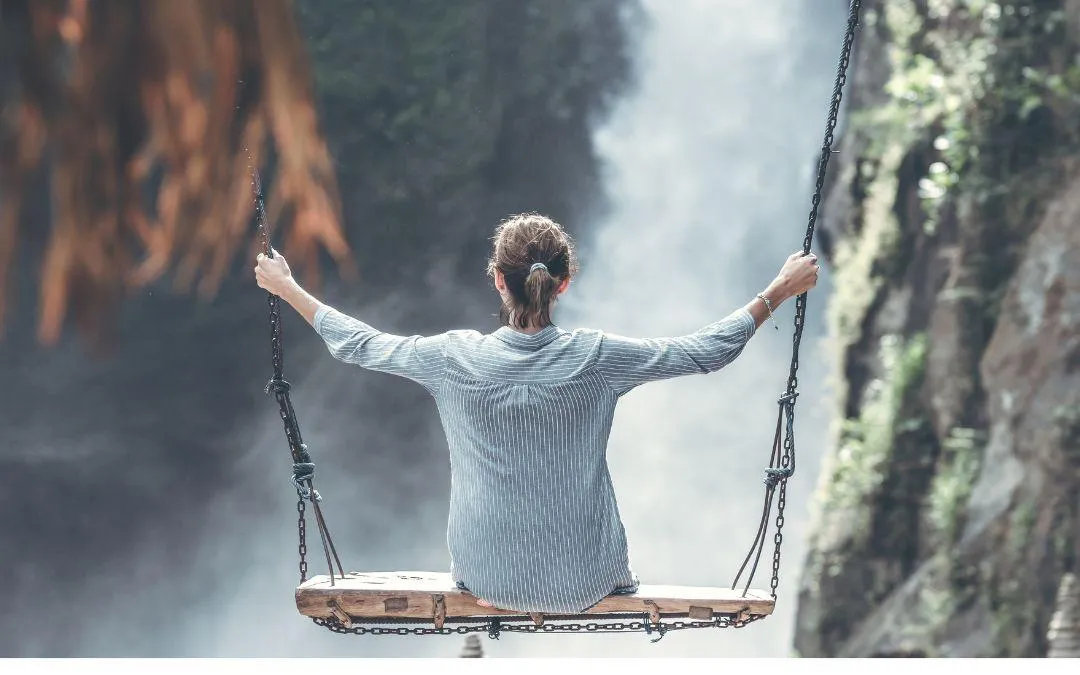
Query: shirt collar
{"x":526,"y":341}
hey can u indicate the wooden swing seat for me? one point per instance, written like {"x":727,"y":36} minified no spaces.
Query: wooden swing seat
{"x":374,"y":596}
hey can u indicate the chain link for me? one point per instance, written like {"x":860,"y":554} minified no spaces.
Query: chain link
{"x":778,"y":538}
{"x":495,"y":628}
{"x":301,"y":527}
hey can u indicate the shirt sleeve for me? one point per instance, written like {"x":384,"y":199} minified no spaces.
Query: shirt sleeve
{"x":421,"y":359}
{"x":629,"y":362}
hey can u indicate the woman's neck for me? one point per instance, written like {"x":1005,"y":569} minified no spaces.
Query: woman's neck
{"x":531,"y":329}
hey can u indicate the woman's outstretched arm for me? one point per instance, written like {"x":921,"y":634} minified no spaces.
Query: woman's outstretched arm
{"x":421,"y":359}
{"x":798,"y":275}
{"x":629,"y":362}
{"x":305,"y":304}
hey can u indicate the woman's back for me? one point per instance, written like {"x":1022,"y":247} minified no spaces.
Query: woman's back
{"x":534,"y":524}
{"x":533,"y":521}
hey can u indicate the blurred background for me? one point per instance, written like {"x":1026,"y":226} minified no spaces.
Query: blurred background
{"x":145,"y":497}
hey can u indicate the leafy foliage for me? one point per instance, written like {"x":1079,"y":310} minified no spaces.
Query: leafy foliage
{"x":444,"y":117}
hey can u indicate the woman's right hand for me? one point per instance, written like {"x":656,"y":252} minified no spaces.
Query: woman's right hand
{"x":798,"y":275}
{"x":273,"y":274}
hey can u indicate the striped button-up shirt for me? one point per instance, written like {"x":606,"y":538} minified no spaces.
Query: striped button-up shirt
{"x":534,"y":525}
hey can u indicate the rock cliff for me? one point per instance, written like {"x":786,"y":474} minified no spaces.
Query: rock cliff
{"x":947,"y":513}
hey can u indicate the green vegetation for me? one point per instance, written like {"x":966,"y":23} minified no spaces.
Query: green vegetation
{"x":856,"y":257}
{"x":949,"y":87}
{"x":957,"y":469}
{"x":934,"y":86}
{"x":980,"y":116}
{"x":1067,"y":421}
{"x":1014,"y":610}
{"x":936,"y":603}
{"x":945,"y":587}
{"x":444,"y":116}
{"x":866,"y":443}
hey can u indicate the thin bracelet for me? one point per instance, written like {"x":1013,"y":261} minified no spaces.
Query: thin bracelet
{"x":768,"y":306}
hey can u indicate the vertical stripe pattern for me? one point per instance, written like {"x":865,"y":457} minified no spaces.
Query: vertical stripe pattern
{"x":534,"y":525}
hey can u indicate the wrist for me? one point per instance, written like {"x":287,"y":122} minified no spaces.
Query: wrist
{"x":776,"y":292}
{"x":290,"y":291}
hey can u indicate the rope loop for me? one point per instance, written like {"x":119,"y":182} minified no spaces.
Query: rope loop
{"x":774,"y":475}
{"x":277,"y":386}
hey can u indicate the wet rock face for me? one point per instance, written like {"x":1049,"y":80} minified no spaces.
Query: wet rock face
{"x":1064,"y":635}
{"x":1031,"y":370}
{"x":948,"y":508}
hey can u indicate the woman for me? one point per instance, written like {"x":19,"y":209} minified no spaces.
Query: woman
{"x":527,"y":410}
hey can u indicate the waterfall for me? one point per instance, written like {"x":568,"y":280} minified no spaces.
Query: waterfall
{"x":708,"y":168}
{"x":708,"y":165}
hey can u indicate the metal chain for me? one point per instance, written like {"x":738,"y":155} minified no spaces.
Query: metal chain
{"x":778,"y":538}
{"x":495,"y":627}
{"x":788,"y":461}
{"x":301,"y":528}
{"x":277,"y":358}
{"x":782,"y":464}
{"x":279,"y":387}
{"x":278,"y":384}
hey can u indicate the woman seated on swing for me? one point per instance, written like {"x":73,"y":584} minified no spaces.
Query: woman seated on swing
{"x":527,"y":410}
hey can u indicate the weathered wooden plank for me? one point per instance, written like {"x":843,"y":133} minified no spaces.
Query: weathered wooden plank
{"x":417,"y":595}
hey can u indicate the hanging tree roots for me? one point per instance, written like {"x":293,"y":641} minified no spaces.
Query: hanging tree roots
{"x":136,"y":110}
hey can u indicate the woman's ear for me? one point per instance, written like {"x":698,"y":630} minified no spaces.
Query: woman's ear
{"x":563,"y":285}
{"x":500,"y":281}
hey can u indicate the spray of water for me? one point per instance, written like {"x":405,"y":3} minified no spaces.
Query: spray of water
{"x":708,"y":167}
{"x":709,"y":170}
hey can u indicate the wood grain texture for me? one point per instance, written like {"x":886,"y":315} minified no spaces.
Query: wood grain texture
{"x":375,"y":595}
